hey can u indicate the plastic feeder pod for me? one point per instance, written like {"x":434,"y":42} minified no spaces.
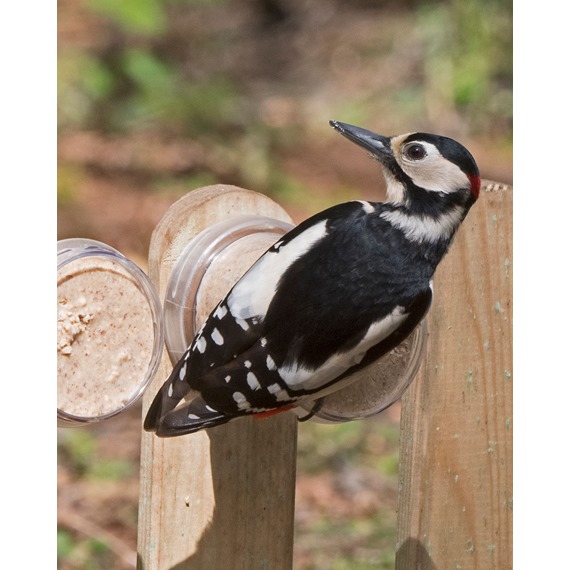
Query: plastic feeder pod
{"x":110,"y":332}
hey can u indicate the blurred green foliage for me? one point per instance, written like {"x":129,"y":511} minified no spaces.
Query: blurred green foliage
{"x":324,"y":447}
{"x":78,"y":450}
{"x":65,"y":544}
{"x":126,"y":83}
{"x":147,"y":69}
{"x":365,"y":544}
{"x":469,"y":58}
{"x":364,"y":451}
{"x":161,"y":96}
{"x":139,"y":90}
{"x":176,"y":67}
{"x":68,"y":179}
{"x":84,"y":553}
{"x":145,"y":17}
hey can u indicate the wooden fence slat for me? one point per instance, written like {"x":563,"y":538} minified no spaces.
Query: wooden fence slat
{"x":455,"y":503}
{"x":222,"y":499}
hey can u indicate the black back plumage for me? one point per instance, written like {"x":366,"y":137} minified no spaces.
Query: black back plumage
{"x":330,"y":308}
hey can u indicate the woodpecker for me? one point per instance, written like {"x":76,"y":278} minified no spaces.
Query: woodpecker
{"x":334,"y":294}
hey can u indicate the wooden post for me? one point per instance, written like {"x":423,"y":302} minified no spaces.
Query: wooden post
{"x":455,"y":504}
{"x":221,"y":499}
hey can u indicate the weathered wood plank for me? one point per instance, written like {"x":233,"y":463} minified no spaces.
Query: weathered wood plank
{"x":222,"y":498}
{"x":456,"y":477}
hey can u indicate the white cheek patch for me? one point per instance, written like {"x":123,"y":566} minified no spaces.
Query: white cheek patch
{"x":434,"y":173}
{"x":298,"y":377}
{"x":255,"y":290}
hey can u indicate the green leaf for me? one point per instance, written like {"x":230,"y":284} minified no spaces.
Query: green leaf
{"x":148,"y":71}
{"x":139,"y":16}
{"x":112,"y":470}
{"x":65,"y":544}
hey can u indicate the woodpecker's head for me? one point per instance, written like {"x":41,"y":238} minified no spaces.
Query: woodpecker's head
{"x":420,"y":165}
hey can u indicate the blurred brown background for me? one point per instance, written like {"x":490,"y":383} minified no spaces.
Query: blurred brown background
{"x":158,"y":97}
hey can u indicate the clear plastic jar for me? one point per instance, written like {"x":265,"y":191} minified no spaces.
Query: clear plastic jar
{"x":110,"y":332}
{"x":373,"y":388}
{"x":208,"y":268}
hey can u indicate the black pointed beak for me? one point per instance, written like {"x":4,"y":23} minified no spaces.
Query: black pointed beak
{"x":378,"y":145}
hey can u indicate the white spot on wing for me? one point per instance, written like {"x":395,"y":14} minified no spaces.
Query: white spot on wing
{"x":217,"y":337}
{"x":240,"y":400}
{"x":270,"y":363}
{"x":193,"y":417}
{"x":228,"y":378}
{"x":254,"y":291}
{"x":280,"y":394}
{"x":221,"y":312}
{"x":170,"y":391}
{"x":243,"y":324}
{"x":182,"y":372}
{"x":247,"y":363}
{"x":252,"y":381}
{"x":201,"y":344}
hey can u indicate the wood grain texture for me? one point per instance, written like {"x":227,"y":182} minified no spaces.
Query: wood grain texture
{"x":221,"y":498}
{"x":455,"y":503}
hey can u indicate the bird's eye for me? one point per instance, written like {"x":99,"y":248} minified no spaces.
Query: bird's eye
{"x":415,"y":151}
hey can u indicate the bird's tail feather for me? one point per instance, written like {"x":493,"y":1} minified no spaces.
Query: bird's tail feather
{"x":168,"y":397}
{"x":190,"y":418}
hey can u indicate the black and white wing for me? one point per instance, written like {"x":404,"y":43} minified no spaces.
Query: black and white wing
{"x":299,"y":320}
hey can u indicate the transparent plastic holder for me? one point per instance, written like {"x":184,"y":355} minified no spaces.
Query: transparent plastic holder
{"x":104,"y":299}
{"x":207,"y":269}
{"x":373,"y":388}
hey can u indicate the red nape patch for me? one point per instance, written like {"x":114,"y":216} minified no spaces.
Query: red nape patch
{"x":475,"y":184}
{"x":269,"y":413}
